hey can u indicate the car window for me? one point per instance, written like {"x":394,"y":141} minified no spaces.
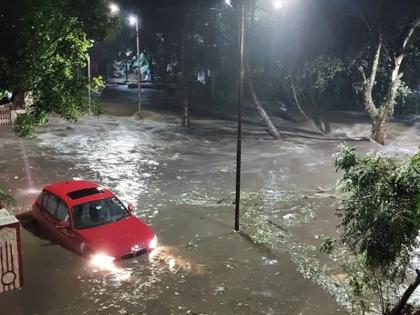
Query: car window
{"x":52,"y":204}
{"x":39,"y":199}
{"x":44,"y":200}
{"x":98,"y":212}
{"x":62,"y":212}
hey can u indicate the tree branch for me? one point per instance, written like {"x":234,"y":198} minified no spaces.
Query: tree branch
{"x":397,"y":310}
{"x":260,"y":110}
{"x":395,"y":73}
{"x":362,"y":71}
{"x":369,"y":83}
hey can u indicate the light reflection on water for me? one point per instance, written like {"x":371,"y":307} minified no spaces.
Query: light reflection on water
{"x":121,"y":157}
{"x":131,"y":283}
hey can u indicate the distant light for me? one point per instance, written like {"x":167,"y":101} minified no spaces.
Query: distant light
{"x":114,"y":8}
{"x":132,"y":19}
{"x":278,"y":4}
{"x":228,"y":2}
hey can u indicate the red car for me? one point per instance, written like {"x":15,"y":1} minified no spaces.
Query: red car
{"x":91,"y":221}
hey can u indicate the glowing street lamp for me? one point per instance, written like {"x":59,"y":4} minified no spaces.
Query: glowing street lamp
{"x":278,"y":4}
{"x":113,"y":8}
{"x":134,"y":21}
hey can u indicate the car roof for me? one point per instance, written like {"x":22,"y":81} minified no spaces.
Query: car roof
{"x":68,"y":191}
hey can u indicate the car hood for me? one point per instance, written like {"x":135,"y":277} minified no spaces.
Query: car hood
{"x":117,"y":238}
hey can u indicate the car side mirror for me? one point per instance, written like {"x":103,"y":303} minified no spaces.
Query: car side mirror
{"x":62,"y":225}
{"x":130,"y":207}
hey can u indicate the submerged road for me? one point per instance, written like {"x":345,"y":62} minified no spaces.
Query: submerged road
{"x":181,"y":181}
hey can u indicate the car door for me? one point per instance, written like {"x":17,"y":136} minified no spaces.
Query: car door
{"x":50,"y":204}
{"x":66,"y":236}
{"x":39,"y":208}
{"x":43,"y":216}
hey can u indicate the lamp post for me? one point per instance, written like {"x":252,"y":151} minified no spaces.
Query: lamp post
{"x":133,"y":20}
{"x":89,"y":89}
{"x":277,"y":4}
{"x":240,"y":104}
{"x":113,"y":9}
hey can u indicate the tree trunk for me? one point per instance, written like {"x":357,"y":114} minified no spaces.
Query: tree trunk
{"x":257,"y":104}
{"x":185,"y":44}
{"x":261,"y":112}
{"x":126,"y":72}
{"x":398,"y":309}
{"x":318,"y":126}
{"x":380,"y":116}
{"x":186,"y":116}
{"x":379,"y":130}
{"x":369,"y":83}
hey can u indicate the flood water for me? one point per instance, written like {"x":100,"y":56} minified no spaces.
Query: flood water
{"x":182,"y":182}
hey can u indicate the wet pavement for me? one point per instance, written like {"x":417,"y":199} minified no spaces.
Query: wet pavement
{"x":181,"y":181}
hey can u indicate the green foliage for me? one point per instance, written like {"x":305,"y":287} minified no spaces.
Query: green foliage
{"x":97,"y":85}
{"x":381,"y":217}
{"x":321,"y":71}
{"x":380,"y":221}
{"x":408,"y":101}
{"x":25,"y":125}
{"x":144,"y":64}
{"x":6,"y":199}
{"x":126,"y":63}
{"x":324,"y":82}
{"x":361,"y":286}
{"x":327,"y":245}
{"x":47,"y":55}
{"x":60,"y":81}
{"x":2,"y":93}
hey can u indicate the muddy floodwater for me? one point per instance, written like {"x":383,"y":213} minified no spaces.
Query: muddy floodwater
{"x":182,"y":182}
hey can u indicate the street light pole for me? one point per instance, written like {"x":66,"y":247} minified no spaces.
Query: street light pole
{"x":113,"y":9}
{"x":240,"y":104}
{"x":138,"y":65}
{"x":89,"y":78}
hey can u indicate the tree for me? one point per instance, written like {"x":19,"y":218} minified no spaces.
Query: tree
{"x":381,"y":114}
{"x":392,"y":27}
{"x":125,"y":62}
{"x":44,"y":50}
{"x":380,"y":223}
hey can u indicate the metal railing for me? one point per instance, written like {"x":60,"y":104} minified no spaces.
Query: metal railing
{"x":5,"y":115}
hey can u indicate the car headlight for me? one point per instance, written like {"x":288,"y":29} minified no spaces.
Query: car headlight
{"x":153,"y":243}
{"x":102,"y":261}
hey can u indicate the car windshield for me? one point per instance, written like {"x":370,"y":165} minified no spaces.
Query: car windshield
{"x":98,"y":212}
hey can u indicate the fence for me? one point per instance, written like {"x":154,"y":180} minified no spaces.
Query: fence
{"x":5,"y":115}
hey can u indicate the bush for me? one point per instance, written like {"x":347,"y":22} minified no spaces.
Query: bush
{"x":26,"y":124}
{"x":380,"y":223}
